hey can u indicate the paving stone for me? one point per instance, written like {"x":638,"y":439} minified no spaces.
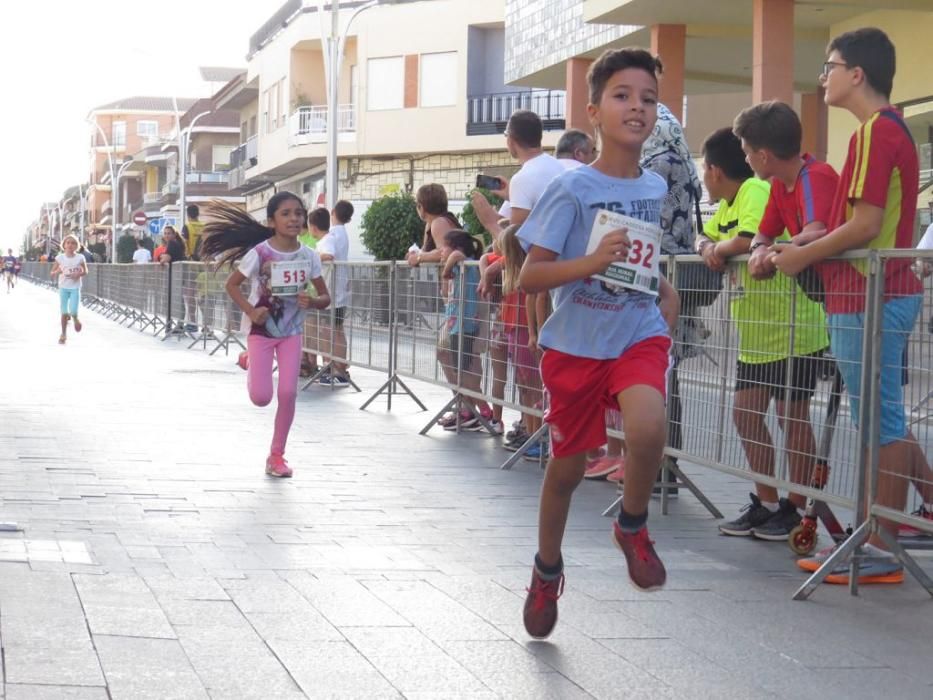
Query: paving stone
{"x":147,"y":668}
{"x":332,"y":669}
{"x":18,"y":691}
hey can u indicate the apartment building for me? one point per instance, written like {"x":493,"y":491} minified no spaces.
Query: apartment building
{"x":119,"y":130}
{"x":720,"y":57}
{"x":422,"y":98}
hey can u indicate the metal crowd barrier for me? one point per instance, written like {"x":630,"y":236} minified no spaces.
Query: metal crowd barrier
{"x":412,"y":324}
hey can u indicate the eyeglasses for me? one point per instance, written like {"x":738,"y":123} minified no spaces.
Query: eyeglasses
{"x":829,"y":65}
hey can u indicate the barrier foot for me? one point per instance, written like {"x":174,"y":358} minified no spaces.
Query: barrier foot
{"x":314,"y":377}
{"x":684,"y":480}
{"x":225,"y":343}
{"x":389,"y":389}
{"x":908,"y":561}
{"x":520,"y":452}
{"x":839,"y":555}
{"x":203,"y":336}
{"x":454,"y":403}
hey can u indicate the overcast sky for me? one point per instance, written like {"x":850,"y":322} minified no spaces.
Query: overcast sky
{"x":58,"y":65}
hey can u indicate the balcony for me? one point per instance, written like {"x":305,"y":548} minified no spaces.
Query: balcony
{"x":489,"y":114}
{"x":152,"y":197}
{"x":308,"y":124}
{"x":198,"y":177}
{"x":169,"y":188}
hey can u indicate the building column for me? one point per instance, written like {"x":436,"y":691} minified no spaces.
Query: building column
{"x":578,"y":96}
{"x":773,"y":51}
{"x":815,"y":119}
{"x":669,"y":43}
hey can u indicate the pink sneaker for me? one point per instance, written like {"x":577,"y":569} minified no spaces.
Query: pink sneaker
{"x":78,"y":325}
{"x":618,"y":476}
{"x":277,"y":466}
{"x":645,"y":569}
{"x":599,"y":469}
{"x":243,"y":360}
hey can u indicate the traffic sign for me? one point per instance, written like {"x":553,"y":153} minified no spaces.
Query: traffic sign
{"x":139,"y":218}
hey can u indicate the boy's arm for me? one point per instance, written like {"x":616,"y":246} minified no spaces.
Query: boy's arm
{"x":531,"y":316}
{"x":734,"y":246}
{"x":856,"y":233}
{"x":453,"y":260}
{"x":543,"y":271}
{"x":811,"y":232}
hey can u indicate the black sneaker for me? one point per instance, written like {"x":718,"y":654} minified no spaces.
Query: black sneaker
{"x":777,"y":528}
{"x":516,"y":441}
{"x":753,"y":515}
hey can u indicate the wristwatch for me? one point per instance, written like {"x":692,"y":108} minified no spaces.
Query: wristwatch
{"x":755,"y":245}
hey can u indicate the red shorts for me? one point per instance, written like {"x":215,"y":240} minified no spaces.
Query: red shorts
{"x":582,"y":389}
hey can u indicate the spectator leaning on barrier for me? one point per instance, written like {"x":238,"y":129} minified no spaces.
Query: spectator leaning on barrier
{"x":782,"y":337}
{"x":191,"y":232}
{"x":874,"y":208}
{"x":174,"y":247}
{"x":317,"y":226}
{"x":431,"y":202}
{"x":334,"y":247}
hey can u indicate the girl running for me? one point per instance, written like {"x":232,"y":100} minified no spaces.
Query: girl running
{"x":279,"y":270}
{"x":70,"y":268}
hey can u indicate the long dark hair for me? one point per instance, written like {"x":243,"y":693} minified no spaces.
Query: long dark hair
{"x":464,"y":242}
{"x":231,"y":232}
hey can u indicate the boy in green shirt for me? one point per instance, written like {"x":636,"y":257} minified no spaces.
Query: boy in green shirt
{"x":774,"y":362}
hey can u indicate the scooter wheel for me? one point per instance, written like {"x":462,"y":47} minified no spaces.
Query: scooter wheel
{"x":802,"y":540}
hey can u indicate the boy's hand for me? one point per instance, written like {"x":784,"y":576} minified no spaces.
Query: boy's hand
{"x":533,"y":345}
{"x":713,"y":260}
{"x":790,"y":259}
{"x":613,"y":248}
{"x":304,"y":300}
{"x":258,"y":315}
{"x":760,"y":266}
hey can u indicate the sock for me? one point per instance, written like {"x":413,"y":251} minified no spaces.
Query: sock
{"x":773,"y":507}
{"x":632,"y":523}
{"x":549,"y":573}
{"x":874,"y":551}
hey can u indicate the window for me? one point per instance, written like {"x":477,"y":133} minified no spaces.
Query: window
{"x":147,"y":129}
{"x":385,"y":83}
{"x":273,"y":108}
{"x":439,"y":79}
{"x":283,"y":96}
{"x":221,"y":157}
{"x":118,"y":134}
{"x":354,"y":84}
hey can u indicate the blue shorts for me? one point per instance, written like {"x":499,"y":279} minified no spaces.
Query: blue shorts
{"x":845,"y":334}
{"x":70,"y":299}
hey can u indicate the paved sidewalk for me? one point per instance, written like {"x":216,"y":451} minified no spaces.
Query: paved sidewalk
{"x":158,"y":561}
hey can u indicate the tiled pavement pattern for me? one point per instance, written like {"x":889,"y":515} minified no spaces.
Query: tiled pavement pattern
{"x":158,"y":561}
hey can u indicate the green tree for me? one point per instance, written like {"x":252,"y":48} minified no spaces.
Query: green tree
{"x":126,"y":246}
{"x":471,"y":223}
{"x":391,"y":225}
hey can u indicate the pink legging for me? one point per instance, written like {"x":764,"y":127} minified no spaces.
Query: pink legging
{"x":259,"y":380}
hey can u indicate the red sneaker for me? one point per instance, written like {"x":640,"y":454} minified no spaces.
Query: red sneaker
{"x":645,"y":569}
{"x":598,"y":469}
{"x":540,"y":614}
{"x":78,"y":325}
{"x":277,"y":466}
{"x":618,"y":476}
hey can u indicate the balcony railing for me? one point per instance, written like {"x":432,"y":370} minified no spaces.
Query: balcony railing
{"x":245,"y":155}
{"x":170,"y":187}
{"x":152,"y":197}
{"x":489,"y":114}
{"x":308,"y":124}
{"x":198,"y":177}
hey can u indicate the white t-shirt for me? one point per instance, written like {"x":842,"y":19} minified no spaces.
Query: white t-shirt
{"x":529,"y":183}
{"x":69,"y":277}
{"x":285,"y":317}
{"x":337,"y":244}
{"x":926,"y":243}
{"x":569,"y":163}
{"x":142,"y":256}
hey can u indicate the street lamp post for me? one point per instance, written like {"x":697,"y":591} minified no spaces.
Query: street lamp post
{"x":114,"y":195}
{"x":183,"y":138}
{"x":336,"y":41}
{"x":48,"y":230}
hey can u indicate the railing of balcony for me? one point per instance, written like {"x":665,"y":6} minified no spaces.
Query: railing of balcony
{"x":152,"y":197}
{"x":252,"y":149}
{"x":488,"y":114}
{"x":308,"y":124}
{"x":925,"y":152}
{"x":199,"y":177}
